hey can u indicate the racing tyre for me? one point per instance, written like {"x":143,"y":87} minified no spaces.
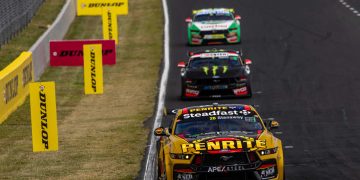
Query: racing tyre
{"x":250,"y":91}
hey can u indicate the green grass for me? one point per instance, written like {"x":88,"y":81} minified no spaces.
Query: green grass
{"x":100,"y":136}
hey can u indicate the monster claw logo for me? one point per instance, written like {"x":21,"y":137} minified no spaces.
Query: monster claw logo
{"x":214,"y":69}
{"x":206,"y":70}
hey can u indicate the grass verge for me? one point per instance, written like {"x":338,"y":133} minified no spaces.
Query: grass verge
{"x":100,"y":136}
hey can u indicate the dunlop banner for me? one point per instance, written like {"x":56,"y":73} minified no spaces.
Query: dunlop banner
{"x":70,"y":52}
{"x":93,"y":70}
{"x":43,"y":116}
{"x":94,"y":7}
{"x":109,"y":23}
{"x":14,"y":84}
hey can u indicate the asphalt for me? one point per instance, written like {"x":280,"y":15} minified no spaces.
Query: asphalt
{"x":305,"y":74}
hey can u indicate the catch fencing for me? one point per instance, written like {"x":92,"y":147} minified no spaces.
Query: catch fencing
{"x":15,"y":15}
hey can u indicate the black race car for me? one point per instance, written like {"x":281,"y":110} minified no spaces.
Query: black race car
{"x":215,"y":73}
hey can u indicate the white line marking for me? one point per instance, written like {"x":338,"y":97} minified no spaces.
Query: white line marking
{"x":151,"y":155}
{"x":288,"y":147}
{"x":278,"y":132}
{"x":352,"y":9}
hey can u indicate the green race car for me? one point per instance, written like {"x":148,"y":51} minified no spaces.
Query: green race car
{"x":213,"y":26}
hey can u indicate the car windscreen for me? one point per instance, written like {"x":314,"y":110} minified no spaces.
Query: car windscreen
{"x":196,"y":124}
{"x":213,"y":17}
{"x":217,"y":61}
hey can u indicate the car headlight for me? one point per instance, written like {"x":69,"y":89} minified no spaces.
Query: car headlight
{"x":268,"y":151}
{"x":180,"y":156}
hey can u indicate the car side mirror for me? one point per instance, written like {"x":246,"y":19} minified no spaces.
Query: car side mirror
{"x":160,"y":131}
{"x":237,"y":17}
{"x":274,"y":124}
{"x":188,"y":20}
{"x":247,"y":61}
{"x":181,"y":64}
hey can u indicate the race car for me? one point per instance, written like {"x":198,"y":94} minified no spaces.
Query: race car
{"x":213,"y":26}
{"x":228,"y":141}
{"x":215,"y":74}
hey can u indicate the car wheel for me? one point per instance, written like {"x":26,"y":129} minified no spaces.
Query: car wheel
{"x":249,"y":91}
{"x":182,"y":96}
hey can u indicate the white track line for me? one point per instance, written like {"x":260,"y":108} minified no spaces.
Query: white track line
{"x":352,"y":9}
{"x":152,"y":155}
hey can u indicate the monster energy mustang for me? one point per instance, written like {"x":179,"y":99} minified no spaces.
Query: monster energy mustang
{"x":215,"y":73}
{"x":213,"y":26}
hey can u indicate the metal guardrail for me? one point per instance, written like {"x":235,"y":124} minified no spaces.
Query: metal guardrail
{"x":15,"y":15}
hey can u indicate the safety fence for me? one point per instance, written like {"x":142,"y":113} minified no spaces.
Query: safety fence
{"x":29,"y":66}
{"x":15,"y":15}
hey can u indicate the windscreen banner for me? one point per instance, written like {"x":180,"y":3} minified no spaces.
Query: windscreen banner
{"x":109,"y":23}
{"x":70,"y":52}
{"x":14,"y":84}
{"x":94,"y":7}
{"x":93,"y":69}
{"x":43,"y":116}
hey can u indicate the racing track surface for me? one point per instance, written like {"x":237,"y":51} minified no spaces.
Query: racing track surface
{"x":305,"y":74}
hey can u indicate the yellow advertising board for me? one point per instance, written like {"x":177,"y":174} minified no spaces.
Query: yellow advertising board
{"x":94,"y":7}
{"x":93,"y":69}
{"x":14,"y":84}
{"x":110,"y":26}
{"x":43,"y":116}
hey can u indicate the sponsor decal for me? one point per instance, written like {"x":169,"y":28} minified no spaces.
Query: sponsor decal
{"x":245,"y":144}
{"x":217,"y":113}
{"x":95,"y":7}
{"x":206,"y":70}
{"x":70,"y":52}
{"x":93,"y":71}
{"x":11,"y":89}
{"x":43,"y":116}
{"x":213,"y":169}
{"x":27,"y":75}
{"x":208,"y":109}
{"x":214,"y":70}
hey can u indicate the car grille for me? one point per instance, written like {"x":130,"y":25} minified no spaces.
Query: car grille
{"x":229,"y":158}
{"x":202,"y":33}
{"x":216,"y":81}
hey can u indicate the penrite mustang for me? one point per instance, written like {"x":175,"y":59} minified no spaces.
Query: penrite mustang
{"x":228,"y":141}
{"x":213,"y":26}
{"x":215,"y":73}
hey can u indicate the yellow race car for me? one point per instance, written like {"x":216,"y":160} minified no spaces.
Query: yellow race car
{"x":227,"y":141}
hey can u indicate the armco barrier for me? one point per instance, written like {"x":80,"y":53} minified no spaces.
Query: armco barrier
{"x":57,"y":31}
{"x":14,"y":84}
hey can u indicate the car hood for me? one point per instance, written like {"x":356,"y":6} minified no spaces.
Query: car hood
{"x":213,"y":25}
{"x":210,"y":72}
